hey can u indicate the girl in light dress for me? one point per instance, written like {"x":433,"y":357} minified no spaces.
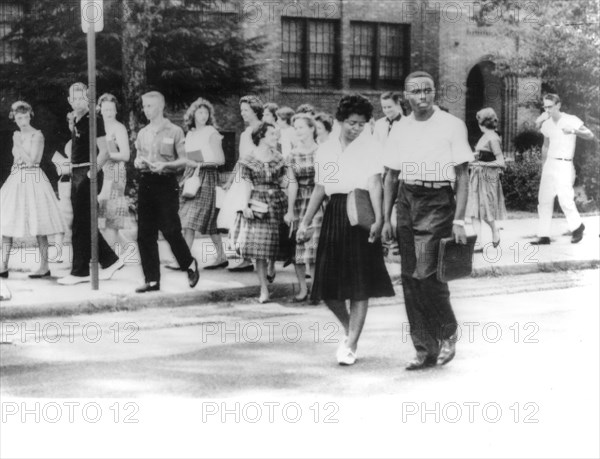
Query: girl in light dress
{"x":27,"y":201}
{"x":486,"y":199}
{"x":113,"y":208}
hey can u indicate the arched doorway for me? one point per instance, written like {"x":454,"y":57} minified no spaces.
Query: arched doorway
{"x":484,"y":89}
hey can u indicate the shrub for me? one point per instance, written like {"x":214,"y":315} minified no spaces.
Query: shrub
{"x":521,"y":181}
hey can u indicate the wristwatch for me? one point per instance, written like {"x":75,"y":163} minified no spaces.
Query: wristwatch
{"x":459,"y":223}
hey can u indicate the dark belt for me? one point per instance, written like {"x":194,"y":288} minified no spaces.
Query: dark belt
{"x":563,"y":159}
{"x":427,"y":184}
{"x":65,"y":179}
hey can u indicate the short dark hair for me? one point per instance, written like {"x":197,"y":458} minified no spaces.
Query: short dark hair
{"x":306,"y":108}
{"x":20,"y":107}
{"x":418,"y":74}
{"x":553,"y":97}
{"x":260,"y":131}
{"x":354,"y":104}
{"x":326,"y":119}
{"x":272,"y":107}
{"x":395,"y":96}
{"x":255,"y":104}
{"x":286,"y":114}
{"x":107,"y":97}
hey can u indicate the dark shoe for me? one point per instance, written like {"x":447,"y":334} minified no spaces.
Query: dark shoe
{"x":577,"y":234}
{"x":148,"y":287}
{"x":193,"y":274}
{"x":542,"y":241}
{"x":173,"y":267}
{"x":496,"y":244}
{"x":223,"y":264}
{"x":270,"y":278}
{"x":421,"y":361}
{"x":288,"y":262}
{"x":447,"y":351}
{"x":4,"y":274}
{"x":39,"y":276}
{"x":242,"y":268}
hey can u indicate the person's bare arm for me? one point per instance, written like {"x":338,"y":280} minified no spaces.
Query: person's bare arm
{"x":461,"y":193}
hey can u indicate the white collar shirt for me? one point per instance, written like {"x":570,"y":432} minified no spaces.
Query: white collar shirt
{"x":428,"y":150}
{"x":561,"y":145}
{"x":341,"y":171}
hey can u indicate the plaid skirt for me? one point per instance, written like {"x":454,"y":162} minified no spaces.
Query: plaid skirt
{"x":200,"y":213}
{"x":258,"y":238}
{"x":306,"y":252}
{"x":348,"y":266}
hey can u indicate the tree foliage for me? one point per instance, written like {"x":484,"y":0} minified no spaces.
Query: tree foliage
{"x":184,"y":49}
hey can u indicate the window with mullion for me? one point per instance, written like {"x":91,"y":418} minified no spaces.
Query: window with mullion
{"x":380,"y":56}
{"x":308,"y":49}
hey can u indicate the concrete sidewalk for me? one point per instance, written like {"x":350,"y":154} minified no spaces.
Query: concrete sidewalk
{"x":44,"y":297}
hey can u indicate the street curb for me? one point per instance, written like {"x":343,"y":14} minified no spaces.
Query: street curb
{"x":133,"y":302}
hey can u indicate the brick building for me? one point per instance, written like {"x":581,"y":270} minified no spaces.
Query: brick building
{"x":318,"y":50}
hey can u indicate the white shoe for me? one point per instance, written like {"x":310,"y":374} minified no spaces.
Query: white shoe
{"x":107,"y":273}
{"x":72,"y":280}
{"x":344,"y":354}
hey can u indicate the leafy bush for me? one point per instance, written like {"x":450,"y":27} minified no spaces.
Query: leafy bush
{"x":521,"y":181}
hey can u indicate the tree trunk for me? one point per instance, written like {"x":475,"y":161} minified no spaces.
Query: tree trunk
{"x":136,"y":20}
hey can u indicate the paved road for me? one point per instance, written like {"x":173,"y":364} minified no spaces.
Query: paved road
{"x":529,"y":351}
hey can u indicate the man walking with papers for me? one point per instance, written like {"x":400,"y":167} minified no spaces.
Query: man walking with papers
{"x":426,"y":154}
{"x":160,"y":147}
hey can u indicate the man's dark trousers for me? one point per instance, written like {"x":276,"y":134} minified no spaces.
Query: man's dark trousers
{"x":158,"y":210}
{"x":424,"y":216}
{"x":82,"y":224}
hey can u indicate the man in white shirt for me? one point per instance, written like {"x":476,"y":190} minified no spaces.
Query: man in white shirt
{"x":429,"y":152}
{"x":558,"y":173}
{"x":390,"y":105}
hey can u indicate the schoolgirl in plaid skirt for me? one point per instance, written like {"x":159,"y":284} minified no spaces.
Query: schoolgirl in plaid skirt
{"x":266,"y":174}
{"x":302,"y":165}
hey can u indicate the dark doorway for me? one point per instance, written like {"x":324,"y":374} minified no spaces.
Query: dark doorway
{"x":484,"y":89}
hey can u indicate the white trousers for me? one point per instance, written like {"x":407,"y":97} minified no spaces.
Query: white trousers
{"x":557,"y":180}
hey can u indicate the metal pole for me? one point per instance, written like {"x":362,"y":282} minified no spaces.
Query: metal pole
{"x":91,"y":49}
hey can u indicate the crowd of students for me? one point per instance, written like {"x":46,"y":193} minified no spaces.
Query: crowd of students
{"x":286,"y":200}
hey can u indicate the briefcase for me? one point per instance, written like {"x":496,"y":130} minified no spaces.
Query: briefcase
{"x":455,"y":260}
{"x":359,"y":209}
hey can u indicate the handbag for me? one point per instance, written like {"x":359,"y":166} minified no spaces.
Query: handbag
{"x":359,"y":209}
{"x":191,"y":185}
{"x":259,"y":208}
{"x":455,"y":260}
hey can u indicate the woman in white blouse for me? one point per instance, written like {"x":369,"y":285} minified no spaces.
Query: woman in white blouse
{"x":349,"y":264}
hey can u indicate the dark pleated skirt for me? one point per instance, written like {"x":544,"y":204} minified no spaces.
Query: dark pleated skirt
{"x":348,"y":267}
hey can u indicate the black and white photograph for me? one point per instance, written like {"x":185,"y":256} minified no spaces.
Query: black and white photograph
{"x":299,"y":228}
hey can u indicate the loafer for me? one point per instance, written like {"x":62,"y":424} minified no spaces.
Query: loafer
{"x":40,"y":275}
{"x":421,"y":361}
{"x":447,"y":351}
{"x":193,"y":274}
{"x":223,"y":264}
{"x":577,"y":235}
{"x":73,"y":280}
{"x":271,"y":278}
{"x":542,"y":241}
{"x":107,"y":273}
{"x":148,"y":287}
